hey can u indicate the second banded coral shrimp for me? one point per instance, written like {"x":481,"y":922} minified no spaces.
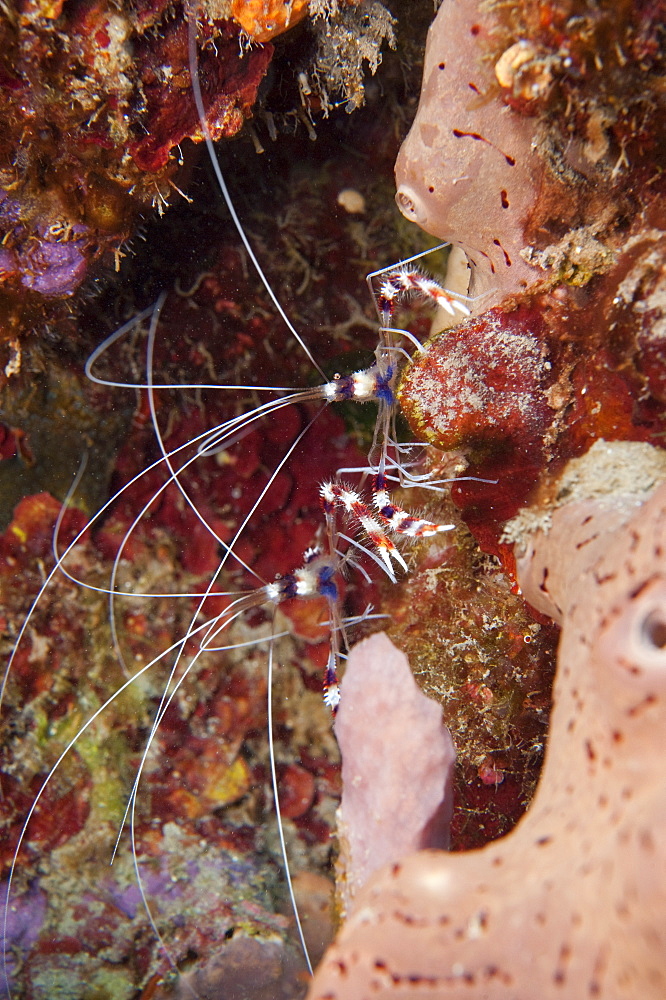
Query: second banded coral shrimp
{"x":202,"y":842}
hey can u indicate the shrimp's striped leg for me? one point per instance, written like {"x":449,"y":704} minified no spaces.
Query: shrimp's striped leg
{"x":399,"y":520}
{"x":317,"y":578}
{"x":331,"y":685}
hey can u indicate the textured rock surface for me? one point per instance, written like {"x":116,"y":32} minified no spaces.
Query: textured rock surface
{"x":572,"y":903}
{"x":482,"y":380}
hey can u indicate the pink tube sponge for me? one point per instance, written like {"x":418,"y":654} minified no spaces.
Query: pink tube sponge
{"x":468,"y":171}
{"x":397,"y":765}
{"x":572,"y":903}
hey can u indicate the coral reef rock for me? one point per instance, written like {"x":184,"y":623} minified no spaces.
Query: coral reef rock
{"x":572,"y":902}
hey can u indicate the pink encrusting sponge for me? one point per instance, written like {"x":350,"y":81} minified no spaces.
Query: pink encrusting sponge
{"x":397,"y":765}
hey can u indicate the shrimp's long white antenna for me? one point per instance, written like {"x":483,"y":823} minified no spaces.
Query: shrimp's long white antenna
{"x":212,"y":629}
{"x":54,"y":570}
{"x":173,"y":477}
{"x":278,"y":811}
{"x":240,"y":605}
{"x":111,"y":383}
{"x":229,"y":549}
{"x":198,"y":100}
{"x":45,"y":783}
{"x":65,"y":505}
{"x":228,"y":546}
{"x":175,"y":647}
{"x":111,"y":589}
{"x":167,"y":698}
{"x":168,"y":694}
{"x":403,"y":263}
{"x":75,"y":541}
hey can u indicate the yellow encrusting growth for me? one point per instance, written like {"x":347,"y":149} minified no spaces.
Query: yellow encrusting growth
{"x":262,"y":20}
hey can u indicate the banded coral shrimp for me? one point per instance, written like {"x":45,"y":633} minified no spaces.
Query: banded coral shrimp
{"x":147,"y":485}
{"x":239,"y":720}
{"x":85,"y":833}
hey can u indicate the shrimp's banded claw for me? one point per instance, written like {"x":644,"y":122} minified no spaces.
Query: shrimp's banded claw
{"x":399,"y":520}
{"x":405,"y":281}
{"x":333,"y":496}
